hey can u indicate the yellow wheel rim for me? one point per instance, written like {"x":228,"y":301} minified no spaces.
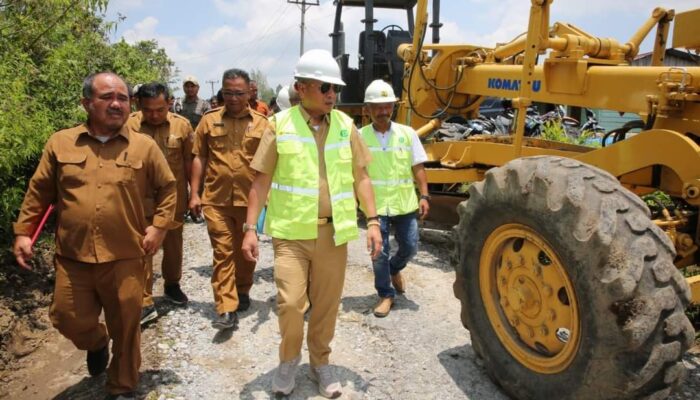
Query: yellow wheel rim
{"x":529,"y":299}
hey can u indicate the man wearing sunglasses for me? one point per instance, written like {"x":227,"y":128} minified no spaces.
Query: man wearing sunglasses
{"x":397,"y":160}
{"x":312,"y":163}
{"x":225,"y":141}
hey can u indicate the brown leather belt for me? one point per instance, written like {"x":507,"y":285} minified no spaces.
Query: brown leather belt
{"x":326,"y":220}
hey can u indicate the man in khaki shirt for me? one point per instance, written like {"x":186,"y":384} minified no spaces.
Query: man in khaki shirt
{"x":97,"y":175}
{"x":173,"y":134}
{"x":225,"y":142}
{"x":310,"y":270}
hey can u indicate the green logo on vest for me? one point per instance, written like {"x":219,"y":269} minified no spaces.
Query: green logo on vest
{"x":343,"y":133}
{"x":401,"y":140}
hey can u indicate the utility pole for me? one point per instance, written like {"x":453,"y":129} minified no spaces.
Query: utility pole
{"x":304,"y":5}
{"x":212,"y":87}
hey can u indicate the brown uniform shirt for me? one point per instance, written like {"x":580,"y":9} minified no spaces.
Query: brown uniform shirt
{"x":98,"y":189}
{"x":265,"y":159}
{"x":228,"y":144}
{"x":175,"y":139}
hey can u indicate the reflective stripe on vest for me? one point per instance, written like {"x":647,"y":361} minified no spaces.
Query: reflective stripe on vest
{"x":292,"y":211}
{"x":391,"y":170}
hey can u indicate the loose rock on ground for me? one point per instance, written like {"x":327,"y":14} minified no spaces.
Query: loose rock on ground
{"x":420,"y":351}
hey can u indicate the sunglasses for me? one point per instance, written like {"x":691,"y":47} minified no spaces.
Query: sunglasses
{"x":325,"y":87}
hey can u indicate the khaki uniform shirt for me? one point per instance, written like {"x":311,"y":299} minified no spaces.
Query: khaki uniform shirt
{"x":265,"y":159}
{"x":194,"y":110}
{"x":175,"y":139}
{"x":228,"y":144}
{"x":98,"y":189}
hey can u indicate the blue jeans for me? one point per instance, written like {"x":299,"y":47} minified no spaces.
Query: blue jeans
{"x":406,"y":234}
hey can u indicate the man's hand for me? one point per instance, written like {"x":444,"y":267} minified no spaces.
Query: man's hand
{"x":374,"y":240}
{"x":195,"y":205}
{"x":153,"y":239}
{"x":424,"y":208}
{"x":250,"y":245}
{"x":23,"y":251}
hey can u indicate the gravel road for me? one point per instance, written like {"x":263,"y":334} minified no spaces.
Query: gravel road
{"x":420,"y":351}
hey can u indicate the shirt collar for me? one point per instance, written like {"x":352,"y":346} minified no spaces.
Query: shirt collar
{"x":391,"y":126}
{"x":244,"y":114}
{"x":123,"y":132}
{"x":307,"y":117}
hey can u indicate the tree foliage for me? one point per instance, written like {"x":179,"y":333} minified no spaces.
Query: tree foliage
{"x":47,"y":47}
{"x":265,"y":92}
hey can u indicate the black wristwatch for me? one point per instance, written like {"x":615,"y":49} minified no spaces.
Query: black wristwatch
{"x":425,"y":197}
{"x":374,"y":218}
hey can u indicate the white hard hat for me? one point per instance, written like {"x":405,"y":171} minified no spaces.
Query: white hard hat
{"x":283,"y":98}
{"x":319,"y":65}
{"x":380,"y":92}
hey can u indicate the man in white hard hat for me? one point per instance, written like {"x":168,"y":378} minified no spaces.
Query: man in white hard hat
{"x":287,"y":97}
{"x":312,"y":162}
{"x":192,"y":106}
{"x":397,"y":160}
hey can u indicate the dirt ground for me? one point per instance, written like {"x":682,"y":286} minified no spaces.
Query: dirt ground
{"x":420,"y":351}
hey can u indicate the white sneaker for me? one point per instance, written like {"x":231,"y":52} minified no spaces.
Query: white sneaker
{"x":283,"y":380}
{"x":328,"y":384}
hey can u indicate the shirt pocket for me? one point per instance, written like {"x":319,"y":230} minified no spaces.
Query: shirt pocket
{"x":218,"y":140}
{"x":251,"y":141}
{"x":289,"y":147}
{"x":71,"y":169}
{"x":174,"y":150}
{"x":127,"y":170}
{"x":402,"y":153}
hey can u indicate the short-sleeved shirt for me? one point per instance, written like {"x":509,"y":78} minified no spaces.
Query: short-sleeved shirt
{"x":265,"y":159}
{"x":418,"y":153}
{"x":260,"y":106}
{"x":99,"y":189}
{"x":194,"y":110}
{"x":174,"y":138}
{"x":228,"y":145}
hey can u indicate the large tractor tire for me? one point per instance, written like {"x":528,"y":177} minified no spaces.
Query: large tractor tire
{"x":567,"y":288}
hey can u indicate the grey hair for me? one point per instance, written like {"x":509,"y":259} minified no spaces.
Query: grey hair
{"x":234,"y":73}
{"x":89,"y":81}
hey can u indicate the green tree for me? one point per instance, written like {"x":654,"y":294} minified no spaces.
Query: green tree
{"x":47,"y":47}
{"x":265,"y":92}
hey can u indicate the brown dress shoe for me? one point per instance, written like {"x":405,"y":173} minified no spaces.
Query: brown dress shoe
{"x":398,"y":283}
{"x":383,"y":307}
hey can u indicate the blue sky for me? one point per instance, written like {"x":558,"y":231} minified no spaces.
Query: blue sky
{"x":208,"y":36}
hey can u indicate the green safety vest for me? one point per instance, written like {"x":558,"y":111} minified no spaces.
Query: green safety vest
{"x":292,"y":211}
{"x":391,"y":171}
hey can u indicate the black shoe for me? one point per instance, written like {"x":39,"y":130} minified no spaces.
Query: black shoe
{"x":226,"y":320}
{"x":97,"y":361}
{"x":243,"y":302}
{"x":121,"y":396}
{"x":175,"y":294}
{"x":148,"y":314}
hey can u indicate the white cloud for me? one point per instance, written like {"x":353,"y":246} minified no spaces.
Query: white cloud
{"x":264,"y":34}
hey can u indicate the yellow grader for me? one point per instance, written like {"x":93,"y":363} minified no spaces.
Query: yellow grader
{"x":569,"y":286}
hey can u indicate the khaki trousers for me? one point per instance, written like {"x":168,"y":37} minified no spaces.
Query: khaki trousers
{"x":232,"y":274}
{"x":309,"y":270}
{"x":82,"y":291}
{"x":171,"y":267}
